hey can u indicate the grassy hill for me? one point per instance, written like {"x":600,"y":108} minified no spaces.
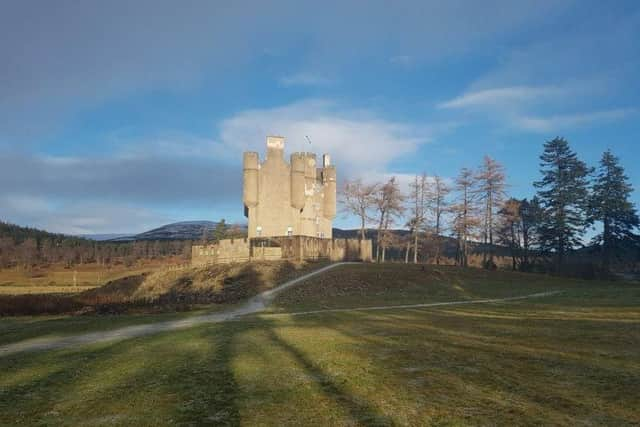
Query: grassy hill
{"x":168,"y":289}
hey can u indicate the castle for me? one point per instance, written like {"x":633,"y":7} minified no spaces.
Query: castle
{"x":288,"y":199}
{"x":290,"y":209}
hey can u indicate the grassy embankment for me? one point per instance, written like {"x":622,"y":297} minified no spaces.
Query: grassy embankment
{"x":58,"y":279}
{"x":567,"y":359}
{"x":146,"y":298}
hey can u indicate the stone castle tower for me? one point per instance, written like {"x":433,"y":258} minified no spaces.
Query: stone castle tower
{"x":288,"y":199}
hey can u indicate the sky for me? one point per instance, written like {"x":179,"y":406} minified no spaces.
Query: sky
{"x":120,"y":116}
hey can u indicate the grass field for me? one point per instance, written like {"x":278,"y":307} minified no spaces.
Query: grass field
{"x":58,"y":279}
{"x":568,"y":359}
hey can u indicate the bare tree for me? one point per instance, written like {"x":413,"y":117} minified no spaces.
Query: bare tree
{"x":438,"y":204}
{"x":359,"y":199}
{"x":517,"y":229}
{"x":388,"y":202}
{"x":491,"y":193}
{"x":28,"y":251}
{"x":509,"y":229}
{"x":417,"y":219}
{"x":465,"y":217}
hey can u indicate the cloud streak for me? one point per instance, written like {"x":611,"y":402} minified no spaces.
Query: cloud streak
{"x":567,"y":121}
{"x":502,"y":96}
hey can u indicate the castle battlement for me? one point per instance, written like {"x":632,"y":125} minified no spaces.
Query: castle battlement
{"x":293,"y":198}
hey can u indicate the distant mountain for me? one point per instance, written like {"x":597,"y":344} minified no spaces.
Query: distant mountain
{"x":104,"y":236}
{"x":184,"y":230}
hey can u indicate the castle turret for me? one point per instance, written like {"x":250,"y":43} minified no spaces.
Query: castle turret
{"x":275,"y":147}
{"x":309,"y":172}
{"x":251,"y":163}
{"x":329,"y":182}
{"x":297,"y":180}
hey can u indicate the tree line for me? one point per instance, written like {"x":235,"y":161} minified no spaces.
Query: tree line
{"x":475,"y":210}
{"x":25,"y":248}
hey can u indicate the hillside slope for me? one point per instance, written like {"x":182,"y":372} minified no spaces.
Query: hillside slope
{"x":167,"y":290}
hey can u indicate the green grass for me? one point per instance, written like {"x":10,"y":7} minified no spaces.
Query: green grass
{"x":562,"y":360}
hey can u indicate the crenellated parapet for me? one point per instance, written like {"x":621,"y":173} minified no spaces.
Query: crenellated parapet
{"x":288,"y":198}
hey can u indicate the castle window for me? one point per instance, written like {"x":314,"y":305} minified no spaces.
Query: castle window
{"x":289,"y":231}
{"x":258,"y":231}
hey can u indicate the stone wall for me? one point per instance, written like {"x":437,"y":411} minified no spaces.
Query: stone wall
{"x":305,"y":247}
{"x":293,"y":248}
{"x":222,"y":252}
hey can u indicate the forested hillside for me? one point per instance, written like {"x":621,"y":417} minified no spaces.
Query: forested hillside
{"x":27,"y":247}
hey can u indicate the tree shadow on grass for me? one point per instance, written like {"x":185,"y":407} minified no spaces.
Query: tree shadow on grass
{"x":549,"y":385}
{"x":166,"y":378}
{"x":360,"y":410}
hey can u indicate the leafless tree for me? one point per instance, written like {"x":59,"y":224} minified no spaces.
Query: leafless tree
{"x":465,"y":213}
{"x":509,"y":229}
{"x":438,"y":204}
{"x":29,"y":252}
{"x":388,"y":200}
{"x":417,"y":208}
{"x":359,"y":199}
{"x":491,"y":193}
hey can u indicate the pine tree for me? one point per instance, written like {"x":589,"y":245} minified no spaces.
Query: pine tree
{"x":563,"y":193}
{"x":530,"y":217}
{"x":610,"y":205}
{"x":220,"y":231}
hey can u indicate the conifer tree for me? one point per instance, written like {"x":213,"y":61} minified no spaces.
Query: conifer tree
{"x":611,"y":206}
{"x":220,"y":231}
{"x":564,"y":196}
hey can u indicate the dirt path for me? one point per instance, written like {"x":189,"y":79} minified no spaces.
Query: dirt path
{"x":253,"y":305}
{"x":431,"y":304}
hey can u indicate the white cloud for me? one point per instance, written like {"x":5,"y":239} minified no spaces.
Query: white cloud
{"x":561,"y":122}
{"x":358,"y":140}
{"x":502,"y":96}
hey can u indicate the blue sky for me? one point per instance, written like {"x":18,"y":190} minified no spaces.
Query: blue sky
{"x":121,"y":116}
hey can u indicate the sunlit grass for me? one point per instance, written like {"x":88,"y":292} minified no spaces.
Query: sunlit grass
{"x":57,"y":279}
